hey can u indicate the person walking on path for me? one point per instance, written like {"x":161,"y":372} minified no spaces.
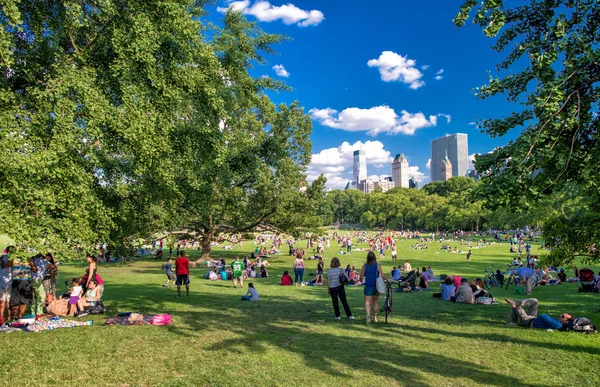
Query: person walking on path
{"x":370,"y":271}
{"x":182,"y":269}
{"x":337,"y":290}
{"x":298,"y":270}
{"x":237,"y":269}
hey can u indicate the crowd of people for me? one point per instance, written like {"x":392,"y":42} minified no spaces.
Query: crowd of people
{"x":33,"y":281}
{"x":29,"y":284}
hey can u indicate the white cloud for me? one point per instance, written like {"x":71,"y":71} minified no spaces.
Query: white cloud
{"x":394,"y":67}
{"x":288,"y":13}
{"x":336,"y":163}
{"x":428,"y":165}
{"x":420,"y":177}
{"x":281,"y":71}
{"x":424,"y":67}
{"x":447,"y":116}
{"x":438,"y":77}
{"x":440,"y":72}
{"x":471,"y":160}
{"x":375,"y":120}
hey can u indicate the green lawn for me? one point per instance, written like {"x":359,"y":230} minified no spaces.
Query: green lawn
{"x":290,"y":337}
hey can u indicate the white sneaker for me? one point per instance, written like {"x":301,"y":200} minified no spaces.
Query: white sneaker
{"x":338,"y":318}
{"x":350,"y":317}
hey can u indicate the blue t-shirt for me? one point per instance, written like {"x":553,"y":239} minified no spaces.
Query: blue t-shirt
{"x":448,"y":291}
{"x":169,"y":268}
{"x":371,"y":274}
{"x":396,"y":275}
{"x":546,"y":322}
{"x":526,"y":272}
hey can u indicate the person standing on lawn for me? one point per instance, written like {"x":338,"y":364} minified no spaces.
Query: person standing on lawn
{"x":50,"y":279}
{"x":237,"y":268}
{"x":182,"y":269}
{"x":168,"y":268}
{"x":299,"y":270}
{"x":337,"y":289}
{"x":369,"y":272}
{"x":5,"y":283}
{"x":22,"y":286}
{"x":39,"y":294}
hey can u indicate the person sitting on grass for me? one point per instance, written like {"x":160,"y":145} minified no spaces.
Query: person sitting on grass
{"x":529,"y":319}
{"x":263,"y":271}
{"x":286,"y":279}
{"x":91,"y":298}
{"x":396,"y":274}
{"x":562,"y":276}
{"x":252,"y":294}
{"x":212,"y":274}
{"x":448,"y":289}
{"x":464,"y":294}
{"x":499,"y":278}
{"x":478,"y":290}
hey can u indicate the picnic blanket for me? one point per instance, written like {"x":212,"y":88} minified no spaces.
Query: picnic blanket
{"x":43,"y":323}
{"x":139,"y":319}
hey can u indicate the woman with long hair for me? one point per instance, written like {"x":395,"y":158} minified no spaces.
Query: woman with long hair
{"x":337,"y":290}
{"x":49,"y":280}
{"x":370,"y":270}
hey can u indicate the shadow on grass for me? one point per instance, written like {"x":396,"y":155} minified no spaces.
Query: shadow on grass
{"x":295,"y":325}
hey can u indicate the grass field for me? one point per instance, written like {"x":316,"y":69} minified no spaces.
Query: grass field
{"x":289,"y":336}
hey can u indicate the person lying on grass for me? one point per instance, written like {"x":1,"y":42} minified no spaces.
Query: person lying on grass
{"x":529,"y":319}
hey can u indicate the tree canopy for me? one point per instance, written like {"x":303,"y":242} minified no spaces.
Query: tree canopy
{"x":120,"y":118}
{"x":552,"y":72}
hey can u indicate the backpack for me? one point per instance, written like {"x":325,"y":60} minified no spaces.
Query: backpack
{"x":582,"y":325}
{"x":99,"y":308}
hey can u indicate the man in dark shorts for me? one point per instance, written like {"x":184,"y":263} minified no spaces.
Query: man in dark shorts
{"x":182,"y":269}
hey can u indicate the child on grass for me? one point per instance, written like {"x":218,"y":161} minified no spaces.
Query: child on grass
{"x":252,"y":294}
{"x":168,"y":268}
{"x":76,"y":291}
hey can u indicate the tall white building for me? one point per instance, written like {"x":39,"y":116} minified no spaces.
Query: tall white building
{"x":360,"y":166}
{"x":455,"y":147}
{"x":400,"y":171}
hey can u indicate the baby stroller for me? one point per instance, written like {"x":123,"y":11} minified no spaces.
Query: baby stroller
{"x":408,"y":281}
{"x":587,"y":280}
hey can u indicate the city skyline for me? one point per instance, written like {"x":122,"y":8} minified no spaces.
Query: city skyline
{"x":392,"y":88}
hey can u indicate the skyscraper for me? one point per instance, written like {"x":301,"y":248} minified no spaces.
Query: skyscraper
{"x":360,"y":166}
{"x":446,"y":169}
{"x":400,"y":171}
{"x":455,"y":146}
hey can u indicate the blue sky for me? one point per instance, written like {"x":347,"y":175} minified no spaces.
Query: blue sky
{"x":391,"y":75}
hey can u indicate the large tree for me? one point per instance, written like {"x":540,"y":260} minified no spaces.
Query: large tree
{"x":245,"y":166}
{"x":91,"y":93}
{"x":552,"y":72}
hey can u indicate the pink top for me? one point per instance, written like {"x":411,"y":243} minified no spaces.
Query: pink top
{"x":456,"y":281}
{"x":298,"y":264}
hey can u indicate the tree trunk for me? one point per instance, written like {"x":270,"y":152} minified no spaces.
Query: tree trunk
{"x":206,"y":239}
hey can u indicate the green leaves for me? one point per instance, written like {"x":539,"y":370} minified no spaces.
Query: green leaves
{"x":558,"y":95}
